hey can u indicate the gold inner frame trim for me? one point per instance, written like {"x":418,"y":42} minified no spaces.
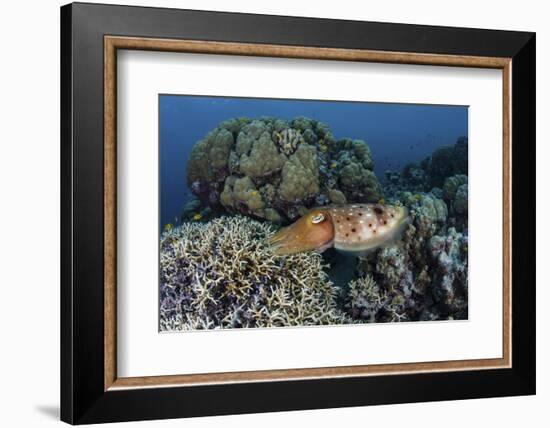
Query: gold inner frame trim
{"x":113,"y":43}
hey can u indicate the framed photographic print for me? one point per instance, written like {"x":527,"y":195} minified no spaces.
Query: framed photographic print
{"x":265,"y":213}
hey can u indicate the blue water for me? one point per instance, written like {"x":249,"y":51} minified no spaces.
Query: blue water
{"x":396,"y":133}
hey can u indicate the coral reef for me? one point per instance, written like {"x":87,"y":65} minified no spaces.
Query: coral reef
{"x":222,"y":274}
{"x":300,"y":176}
{"x":444,"y":162}
{"x":367,"y":302}
{"x":425,"y":273}
{"x":219,"y":272}
{"x":292,"y":165}
{"x":288,"y":139}
{"x":450,"y":254}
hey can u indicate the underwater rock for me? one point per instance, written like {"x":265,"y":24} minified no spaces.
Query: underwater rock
{"x":294,"y":165}
{"x":222,"y":274}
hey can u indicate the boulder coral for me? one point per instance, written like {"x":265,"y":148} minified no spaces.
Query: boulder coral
{"x":292,"y":164}
{"x":451,"y":185}
{"x":300,"y":176}
{"x":222,"y":274}
{"x":264,"y":158}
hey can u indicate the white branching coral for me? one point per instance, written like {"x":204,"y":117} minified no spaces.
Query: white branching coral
{"x":365,"y":299}
{"x":368,"y":302}
{"x":222,"y":274}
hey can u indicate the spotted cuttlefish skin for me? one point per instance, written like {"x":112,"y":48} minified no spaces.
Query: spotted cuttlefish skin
{"x":354,"y":229}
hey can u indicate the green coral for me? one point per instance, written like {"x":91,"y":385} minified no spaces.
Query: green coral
{"x":209,"y":156}
{"x":242,"y":191}
{"x":460,"y":204}
{"x":302,"y":123}
{"x":234,"y":125}
{"x":361,"y":185}
{"x":337,"y":197}
{"x":447,"y":161}
{"x":294,"y":165}
{"x":451,"y":185}
{"x":255,"y":128}
{"x":300,"y":175}
{"x":244,"y":143}
{"x":264,"y":158}
{"x":353,"y":162}
{"x":356,"y":151}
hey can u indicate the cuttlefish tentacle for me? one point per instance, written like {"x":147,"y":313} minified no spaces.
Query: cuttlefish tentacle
{"x":355,"y":229}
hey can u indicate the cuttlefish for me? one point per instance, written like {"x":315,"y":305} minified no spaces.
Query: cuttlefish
{"x":354,"y":229}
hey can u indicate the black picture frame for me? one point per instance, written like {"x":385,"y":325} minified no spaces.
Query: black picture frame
{"x":83,"y":398}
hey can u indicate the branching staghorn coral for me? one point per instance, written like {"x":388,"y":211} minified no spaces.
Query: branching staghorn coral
{"x":364,"y":299}
{"x":368,"y":302}
{"x":222,"y":274}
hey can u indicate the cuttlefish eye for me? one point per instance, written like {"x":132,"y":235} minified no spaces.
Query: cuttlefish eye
{"x":318,"y":218}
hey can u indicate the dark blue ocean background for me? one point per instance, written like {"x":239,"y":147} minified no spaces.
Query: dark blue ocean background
{"x":396,"y":133}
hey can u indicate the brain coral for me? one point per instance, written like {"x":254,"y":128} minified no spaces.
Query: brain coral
{"x":222,"y":274}
{"x":289,"y":166}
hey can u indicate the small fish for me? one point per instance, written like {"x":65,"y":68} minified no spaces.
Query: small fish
{"x":197,"y":216}
{"x":254,"y":192}
{"x":168,"y":227}
{"x":382,"y":201}
{"x":354,"y":229}
{"x":333,"y":165}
